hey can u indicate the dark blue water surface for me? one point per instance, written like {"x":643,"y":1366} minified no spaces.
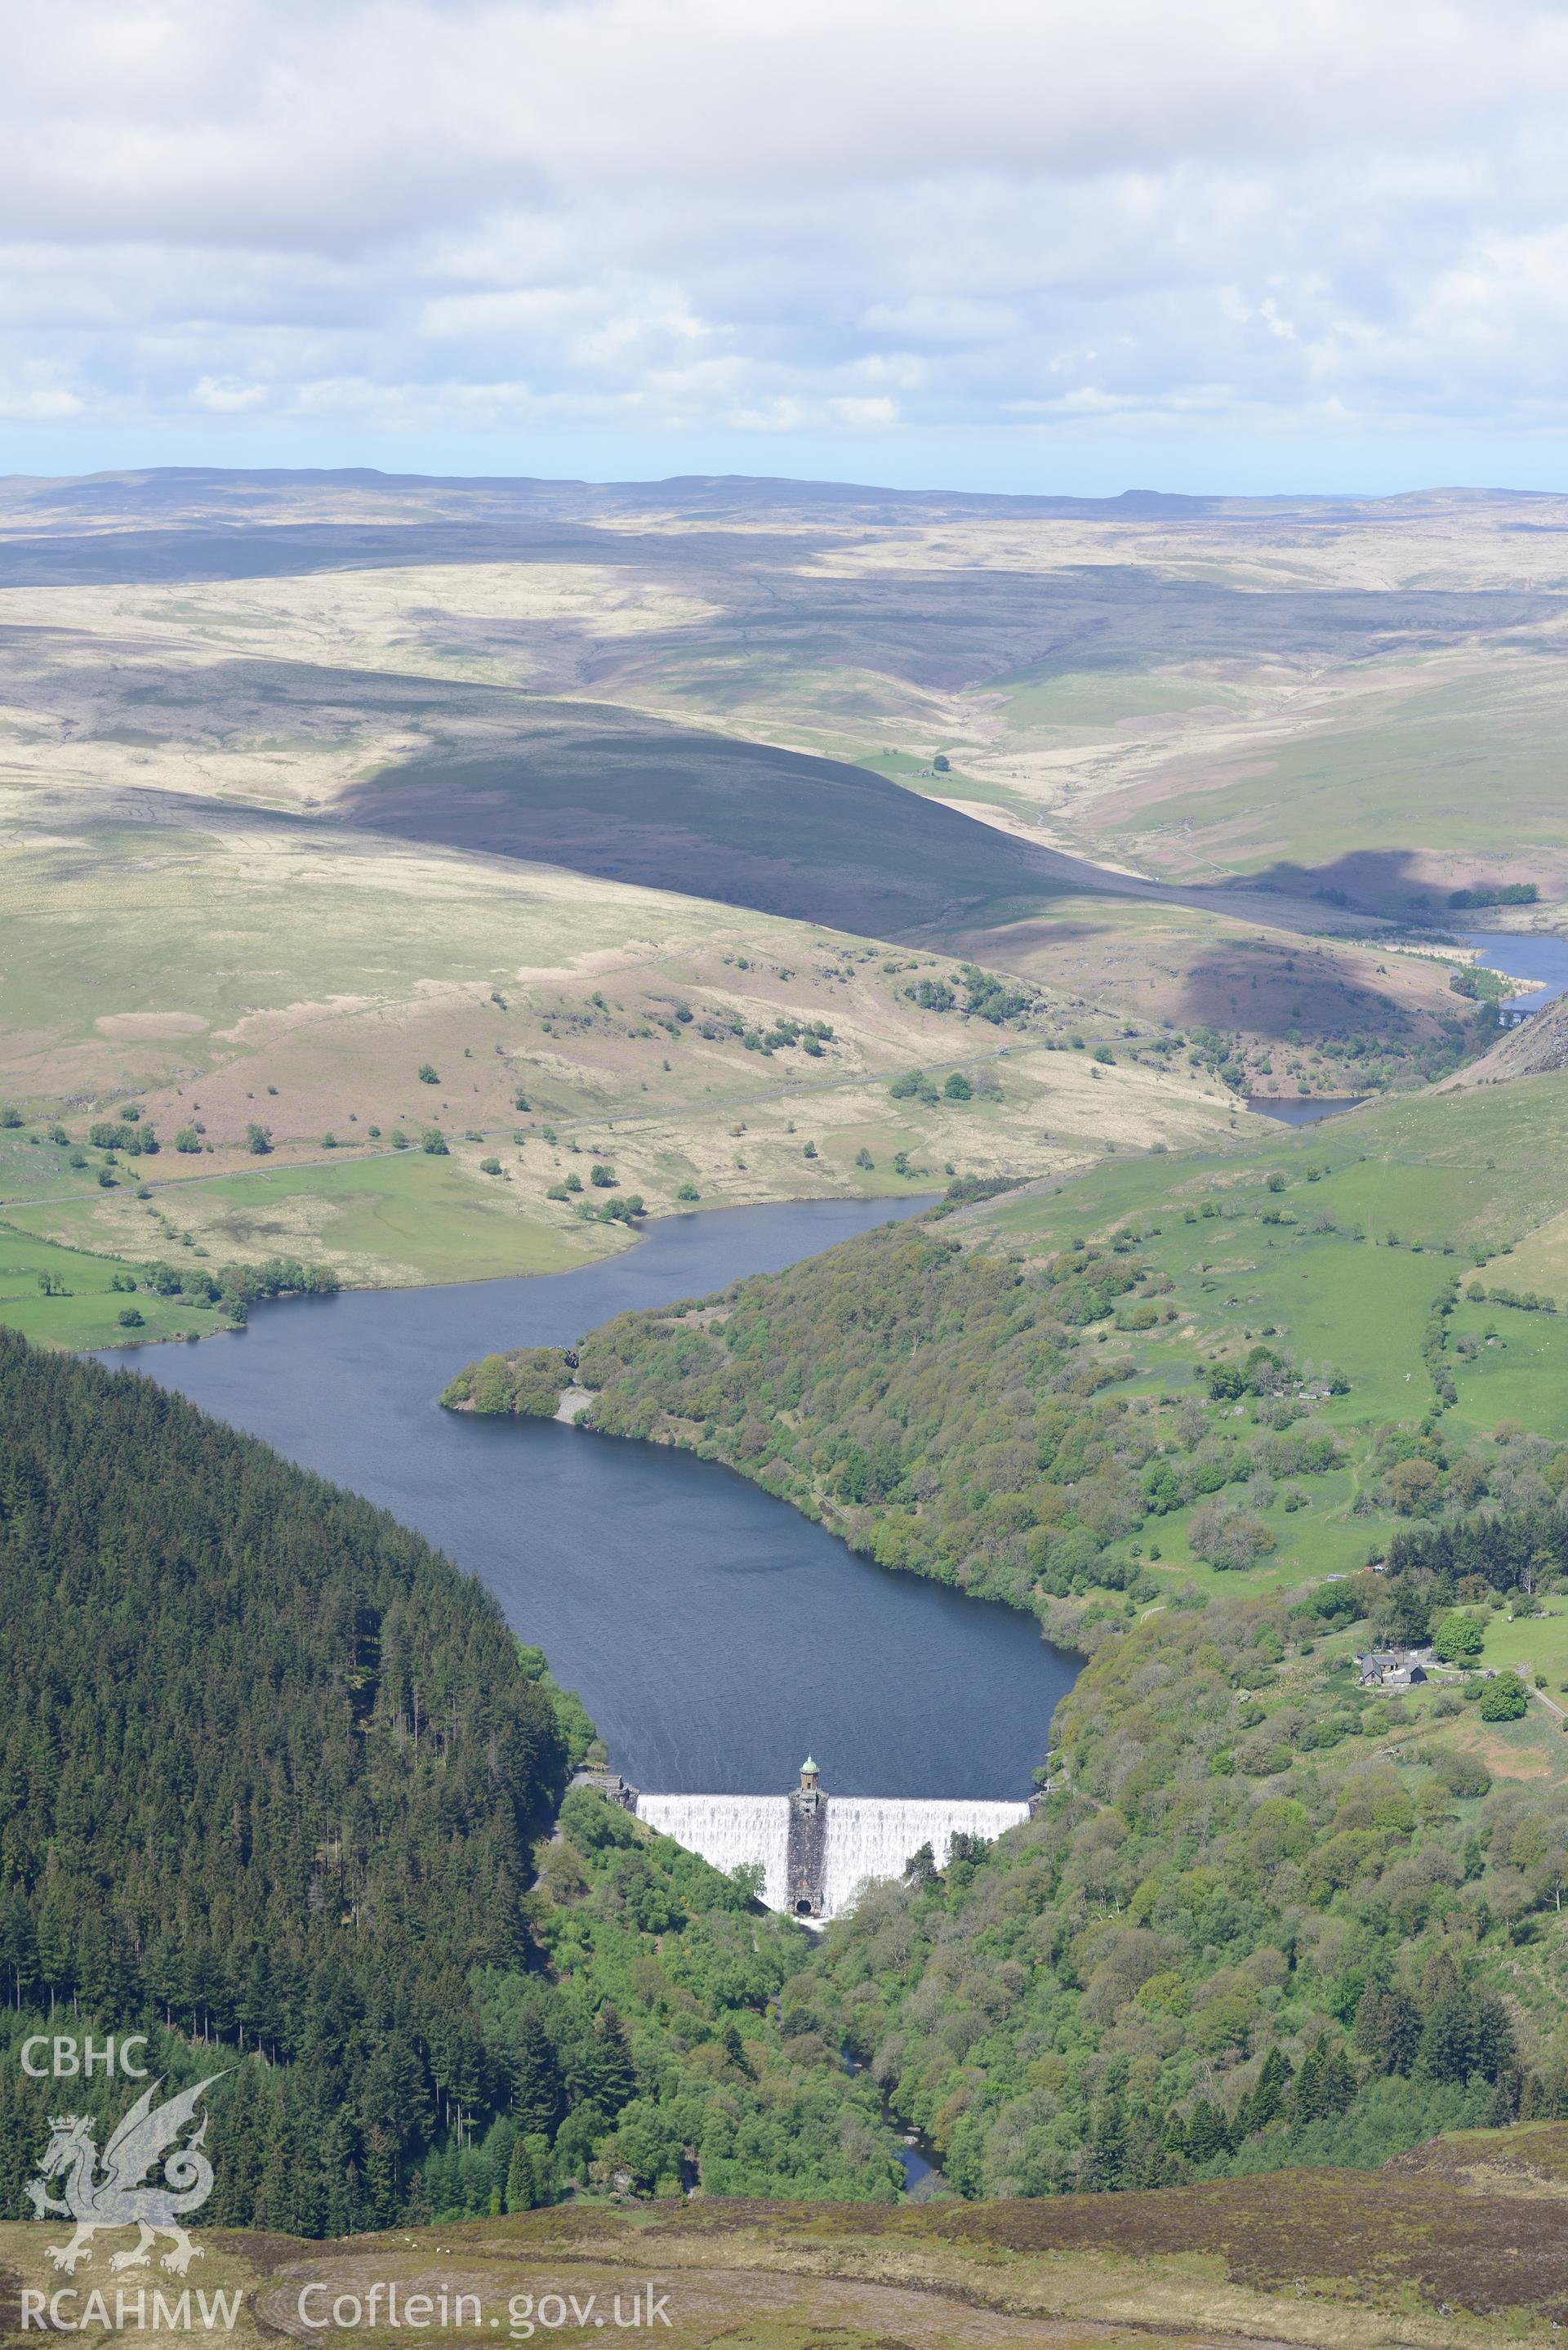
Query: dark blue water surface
{"x":716,"y":1635}
{"x":1525,"y":954}
{"x":1304,"y":1109}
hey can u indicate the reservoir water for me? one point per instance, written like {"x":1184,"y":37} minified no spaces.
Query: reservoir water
{"x":715,"y":1634}
{"x":1307,"y":1109}
{"x":1537,"y":955}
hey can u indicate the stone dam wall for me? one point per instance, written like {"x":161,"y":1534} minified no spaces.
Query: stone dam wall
{"x":818,"y":1851}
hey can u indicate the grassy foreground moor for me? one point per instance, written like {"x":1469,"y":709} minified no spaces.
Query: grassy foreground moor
{"x":1467,"y":2245}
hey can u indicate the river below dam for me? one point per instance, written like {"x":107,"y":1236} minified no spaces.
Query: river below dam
{"x":715,"y":1634}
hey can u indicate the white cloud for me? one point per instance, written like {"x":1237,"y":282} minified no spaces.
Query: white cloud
{"x":226,"y":396}
{"x":859,"y":216}
{"x":36,"y":395}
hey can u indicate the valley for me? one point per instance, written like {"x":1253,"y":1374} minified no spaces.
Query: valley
{"x":787,"y":965}
{"x":313,"y":785}
{"x":708,"y":1629}
{"x":784,"y":1176}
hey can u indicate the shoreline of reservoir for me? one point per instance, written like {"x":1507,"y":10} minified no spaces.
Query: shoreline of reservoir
{"x":713,"y":1632}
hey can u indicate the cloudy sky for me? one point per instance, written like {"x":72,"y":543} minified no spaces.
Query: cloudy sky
{"x":1003,"y":244}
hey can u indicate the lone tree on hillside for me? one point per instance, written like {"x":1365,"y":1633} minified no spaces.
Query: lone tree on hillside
{"x":1504,"y":1700}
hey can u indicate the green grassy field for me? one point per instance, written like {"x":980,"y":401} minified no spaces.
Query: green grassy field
{"x":394,"y":1221}
{"x":1520,"y":1371}
{"x":1541,"y":1259}
{"x":1478,"y":1170}
{"x":1407,"y":1196}
{"x":1534,"y":1645}
{"x":1423,"y":761}
{"x":33,"y":1167}
{"x":1040,"y":698}
{"x":918,"y":775}
{"x":87,"y":1312}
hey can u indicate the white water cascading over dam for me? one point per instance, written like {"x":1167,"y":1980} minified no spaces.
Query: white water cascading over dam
{"x":728,"y":1830}
{"x":878,"y":1835}
{"x":818,"y":1850}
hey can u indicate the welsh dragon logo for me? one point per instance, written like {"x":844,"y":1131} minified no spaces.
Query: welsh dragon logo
{"x":117,"y":2197}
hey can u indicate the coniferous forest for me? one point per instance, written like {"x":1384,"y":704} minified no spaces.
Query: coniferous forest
{"x":274,"y":1777}
{"x":268,"y":1769}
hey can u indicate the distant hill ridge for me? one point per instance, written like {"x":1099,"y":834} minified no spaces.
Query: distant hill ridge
{"x":161,"y":488}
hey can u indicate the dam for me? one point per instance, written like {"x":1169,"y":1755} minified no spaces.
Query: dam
{"x":816,"y":1850}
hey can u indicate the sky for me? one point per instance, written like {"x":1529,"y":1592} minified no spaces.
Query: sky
{"x":1243,"y":245}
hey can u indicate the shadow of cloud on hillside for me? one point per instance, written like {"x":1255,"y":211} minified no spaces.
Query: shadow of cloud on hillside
{"x":245,"y":550}
{"x":1388,"y":882}
{"x":1277,"y":983}
{"x":627,"y":800}
{"x":1253,"y":989}
{"x":591,"y":787}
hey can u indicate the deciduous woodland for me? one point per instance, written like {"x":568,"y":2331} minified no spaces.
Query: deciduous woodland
{"x":1266,"y":1918}
{"x":1271,"y":1912}
{"x":1028,"y":1429}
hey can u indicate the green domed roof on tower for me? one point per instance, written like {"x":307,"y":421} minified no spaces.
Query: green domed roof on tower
{"x":808,"y":1764}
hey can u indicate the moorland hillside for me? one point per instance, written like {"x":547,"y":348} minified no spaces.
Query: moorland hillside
{"x":1461,"y":2250}
{"x":324,"y":781}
